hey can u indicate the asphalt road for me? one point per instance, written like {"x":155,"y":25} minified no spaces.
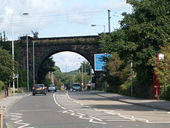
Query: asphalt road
{"x":81,"y":110}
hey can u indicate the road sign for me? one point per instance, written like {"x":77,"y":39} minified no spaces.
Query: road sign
{"x":98,"y":61}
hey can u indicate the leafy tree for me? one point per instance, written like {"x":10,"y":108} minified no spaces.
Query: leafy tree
{"x":140,"y":37}
{"x":6,"y":65}
{"x":62,"y":78}
{"x":86,"y":73}
{"x":47,"y":66}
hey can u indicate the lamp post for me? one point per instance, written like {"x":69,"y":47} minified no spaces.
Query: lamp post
{"x":131,"y":78}
{"x":82,"y":74}
{"x":94,"y":25}
{"x":33,"y":63}
{"x":13,"y":60}
{"x":109,"y":20}
{"x":13,"y":74}
{"x":25,"y":14}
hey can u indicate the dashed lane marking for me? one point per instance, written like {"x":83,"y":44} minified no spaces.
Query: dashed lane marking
{"x":79,"y":115}
{"x":98,"y":117}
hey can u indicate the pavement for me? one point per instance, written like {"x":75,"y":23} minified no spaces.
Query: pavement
{"x":152,"y":103}
{"x":5,"y":103}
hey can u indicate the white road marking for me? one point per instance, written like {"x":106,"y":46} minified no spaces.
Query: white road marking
{"x":57,"y":102}
{"x":158,"y":122}
{"x":79,"y":115}
{"x":17,"y":118}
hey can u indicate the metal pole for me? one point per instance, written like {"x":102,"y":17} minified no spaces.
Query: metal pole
{"x":105,"y":76}
{"x":27,"y":65}
{"x":109,"y":20}
{"x":90,"y":77}
{"x":85,"y":74}
{"x":82,"y":74}
{"x":131,"y":78}
{"x":13,"y":74}
{"x":33,"y":64}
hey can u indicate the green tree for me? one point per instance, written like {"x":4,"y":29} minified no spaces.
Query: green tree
{"x":47,"y":66}
{"x":140,"y":37}
{"x":6,"y":65}
{"x":86,"y":73}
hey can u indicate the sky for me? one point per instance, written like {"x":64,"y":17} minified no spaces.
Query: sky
{"x":60,"y":18}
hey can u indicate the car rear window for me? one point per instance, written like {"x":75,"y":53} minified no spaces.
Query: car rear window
{"x":76,"y":84}
{"x":39,"y":85}
{"x":51,"y":85}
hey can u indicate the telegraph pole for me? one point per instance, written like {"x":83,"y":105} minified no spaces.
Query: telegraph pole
{"x":109,"y":20}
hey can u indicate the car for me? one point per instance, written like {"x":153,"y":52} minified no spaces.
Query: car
{"x":52,"y":87}
{"x":76,"y":87}
{"x":38,"y":89}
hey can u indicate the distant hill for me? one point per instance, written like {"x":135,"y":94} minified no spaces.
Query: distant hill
{"x":72,"y":73}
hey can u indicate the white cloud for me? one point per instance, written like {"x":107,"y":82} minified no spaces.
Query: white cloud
{"x":39,"y":10}
{"x":78,"y":13}
{"x":117,"y":5}
{"x":68,"y":61}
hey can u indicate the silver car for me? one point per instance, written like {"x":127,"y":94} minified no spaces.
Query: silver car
{"x":52,"y":87}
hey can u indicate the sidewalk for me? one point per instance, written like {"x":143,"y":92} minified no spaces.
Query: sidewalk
{"x":156,"y":104}
{"x":8,"y":101}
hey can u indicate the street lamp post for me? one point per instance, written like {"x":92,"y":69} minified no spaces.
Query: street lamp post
{"x":109,"y":20}
{"x":94,"y":25}
{"x":33,"y":63}
{"x":131,"y":78}
{"x":13,"y":74}
{"x":27,"y":64}
{"x":82,"y":74}
{"x":25,"y":14}
{"x":13,"y":60}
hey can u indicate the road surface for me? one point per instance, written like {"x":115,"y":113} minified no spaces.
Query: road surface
{"x":82,"y":110}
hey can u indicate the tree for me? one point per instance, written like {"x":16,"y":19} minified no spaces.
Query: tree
{"x":6,"y":65}
{"x":47,"y":66}
{"x":140,"y":37}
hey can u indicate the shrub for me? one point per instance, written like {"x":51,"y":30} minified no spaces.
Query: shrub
{"x":2,"y":85}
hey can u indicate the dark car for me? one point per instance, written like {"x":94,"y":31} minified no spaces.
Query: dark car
{"x":52,"y":87}
{"x":38,"y":89}
{"x":76,"y":87}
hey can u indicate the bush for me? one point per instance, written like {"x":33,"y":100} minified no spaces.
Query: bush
{"x":125,"y":88}
{"x":2,"y":85}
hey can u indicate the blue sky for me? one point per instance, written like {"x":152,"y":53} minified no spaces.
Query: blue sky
{"x":59,"y":18}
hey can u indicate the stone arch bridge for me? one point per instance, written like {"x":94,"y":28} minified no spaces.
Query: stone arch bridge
{"x":86,"y":46}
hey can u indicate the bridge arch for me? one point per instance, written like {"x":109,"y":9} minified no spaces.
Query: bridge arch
{"x":43,"y":48}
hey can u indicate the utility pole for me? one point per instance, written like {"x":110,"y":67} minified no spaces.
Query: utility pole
{"x":131,"y":78}
{"x":82,"y":74}
{"x":27,"y":65}
{"x":109,"y":20}
{"x":33,"y":63}
{"x":85,"y":74}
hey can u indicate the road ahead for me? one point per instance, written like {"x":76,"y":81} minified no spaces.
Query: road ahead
{"x":82,"y":110}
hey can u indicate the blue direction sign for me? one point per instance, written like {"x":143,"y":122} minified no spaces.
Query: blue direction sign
{"x":98,"y":61}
